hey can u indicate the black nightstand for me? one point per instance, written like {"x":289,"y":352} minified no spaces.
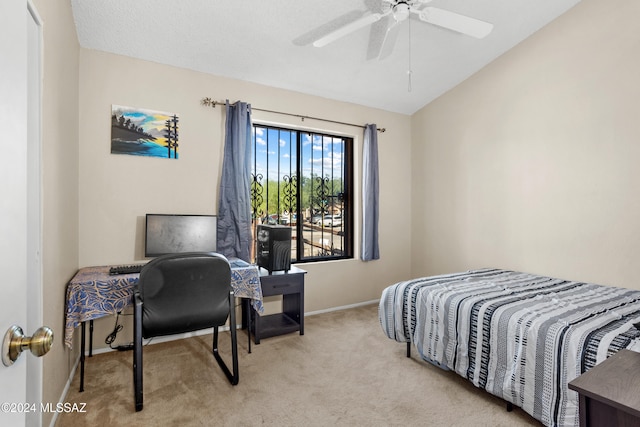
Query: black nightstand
{"x":290,"y":285}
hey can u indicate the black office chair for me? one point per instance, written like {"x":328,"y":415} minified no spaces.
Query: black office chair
{"x":180,"y":293}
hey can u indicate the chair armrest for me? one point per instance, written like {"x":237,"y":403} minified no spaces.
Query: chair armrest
{"x":137,"y":299}
{"x":137,"y":318}
{"x":232,"y":310}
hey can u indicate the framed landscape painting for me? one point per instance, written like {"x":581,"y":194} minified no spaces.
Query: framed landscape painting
{"x":142,"y":132}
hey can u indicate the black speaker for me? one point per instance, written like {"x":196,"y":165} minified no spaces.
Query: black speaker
{"x":274,"y":247}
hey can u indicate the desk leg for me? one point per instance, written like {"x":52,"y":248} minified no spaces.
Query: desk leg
{"x":249,"y":326}
{"x":256,"y":327}
{"x":91,"y":338}
{"x":246,"y":319}
{"x":82,"y":345}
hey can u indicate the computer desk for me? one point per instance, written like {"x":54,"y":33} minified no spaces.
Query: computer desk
{"x":93,"y":293}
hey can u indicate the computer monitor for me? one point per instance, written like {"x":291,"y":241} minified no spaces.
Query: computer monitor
{"x":170,"y":234}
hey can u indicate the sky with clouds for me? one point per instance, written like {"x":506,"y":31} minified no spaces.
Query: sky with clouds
{"x":276,"y":151}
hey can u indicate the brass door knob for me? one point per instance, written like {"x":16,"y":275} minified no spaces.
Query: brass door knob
{"x":15,"y":343}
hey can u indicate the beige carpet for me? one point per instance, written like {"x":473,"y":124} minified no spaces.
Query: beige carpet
{"x":343,"y":372}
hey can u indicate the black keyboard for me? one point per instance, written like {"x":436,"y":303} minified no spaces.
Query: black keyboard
{"x":238,"y":263}
{"x":126,"y":269}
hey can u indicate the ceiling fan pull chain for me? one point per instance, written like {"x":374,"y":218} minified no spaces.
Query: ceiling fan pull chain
{"x":409,"y":70}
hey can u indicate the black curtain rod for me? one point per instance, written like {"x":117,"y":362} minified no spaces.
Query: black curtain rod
{"x":211,"y":103}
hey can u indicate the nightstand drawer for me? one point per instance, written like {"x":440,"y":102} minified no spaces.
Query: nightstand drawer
{"x":281,"y":285}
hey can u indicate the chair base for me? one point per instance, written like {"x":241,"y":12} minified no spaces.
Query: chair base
{"x":233,"y":377}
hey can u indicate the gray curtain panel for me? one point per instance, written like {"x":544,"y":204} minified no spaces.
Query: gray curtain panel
{"x":234,"y":207}
{"x":370,"y":207}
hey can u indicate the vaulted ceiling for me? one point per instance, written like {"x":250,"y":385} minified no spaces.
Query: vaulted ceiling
{"x":271,"y":42}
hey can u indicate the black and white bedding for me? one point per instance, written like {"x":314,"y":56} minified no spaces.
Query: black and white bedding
{"x":520,"y":336}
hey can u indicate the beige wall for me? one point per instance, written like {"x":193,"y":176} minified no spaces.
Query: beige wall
{"x":116,"y":191}
{"x":532,"y":164}
{"x":60,"y":183}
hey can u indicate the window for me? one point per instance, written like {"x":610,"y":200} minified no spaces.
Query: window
{"x":304,"y":180}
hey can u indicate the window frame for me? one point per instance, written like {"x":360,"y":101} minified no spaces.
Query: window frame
{"x":346,"y":196}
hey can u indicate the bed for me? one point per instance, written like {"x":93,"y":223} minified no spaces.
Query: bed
{"x":519,"y":336}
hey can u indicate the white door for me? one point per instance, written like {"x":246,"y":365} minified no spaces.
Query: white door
{"x":34,"y":207}
{"x":17,"y":206}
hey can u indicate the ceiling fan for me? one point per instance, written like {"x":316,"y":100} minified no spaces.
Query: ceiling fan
{"x":401,"y":10}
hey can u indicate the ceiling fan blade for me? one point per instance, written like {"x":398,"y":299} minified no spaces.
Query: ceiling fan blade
{"x":324,"y":29}
{"x":377,"y":33}
{"x":348,"y":29}
{"x":389,"y":40}
{"x":456,"y":22}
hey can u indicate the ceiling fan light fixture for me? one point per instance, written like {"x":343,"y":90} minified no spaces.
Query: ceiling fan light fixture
{"x":401,"y":11}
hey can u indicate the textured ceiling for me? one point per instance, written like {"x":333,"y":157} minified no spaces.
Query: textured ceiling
{"x":269,"y":42}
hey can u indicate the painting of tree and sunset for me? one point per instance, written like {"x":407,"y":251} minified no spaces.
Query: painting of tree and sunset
{"x":143,"y":132}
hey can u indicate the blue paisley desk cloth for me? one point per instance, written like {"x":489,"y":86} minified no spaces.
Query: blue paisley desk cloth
{"x":93,"y":293}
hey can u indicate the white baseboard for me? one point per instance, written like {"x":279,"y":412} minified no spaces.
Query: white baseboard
{"x":342,"y":307}
{"x":65,"y":391}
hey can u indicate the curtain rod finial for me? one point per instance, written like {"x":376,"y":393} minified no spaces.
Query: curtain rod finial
{"x":208,"y":102}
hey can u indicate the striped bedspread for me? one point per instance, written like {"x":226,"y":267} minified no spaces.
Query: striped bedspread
{"x":519,"y":336}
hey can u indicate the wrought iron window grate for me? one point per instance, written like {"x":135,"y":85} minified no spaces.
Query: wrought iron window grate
{"x":303,"y":180}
